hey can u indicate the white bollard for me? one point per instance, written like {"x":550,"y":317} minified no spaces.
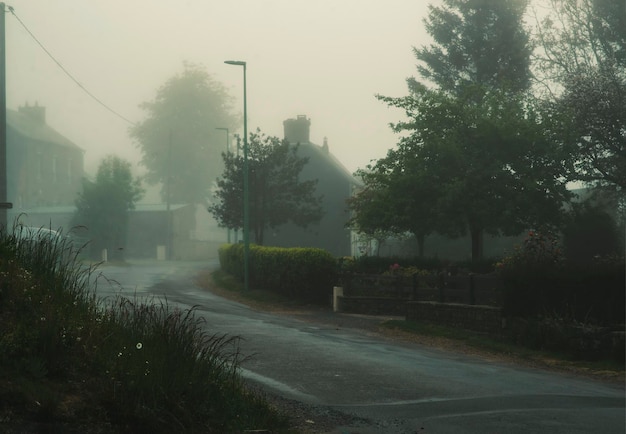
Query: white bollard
{"x":105,"y":255}
{"x":337,"y":292}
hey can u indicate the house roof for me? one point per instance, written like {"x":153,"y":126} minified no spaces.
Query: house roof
{"x":322,"y":152}
{"x":38,"y":130}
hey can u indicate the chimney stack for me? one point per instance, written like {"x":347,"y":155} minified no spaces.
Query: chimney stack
{"x":36,"y":113}
{"x":297,"y":130}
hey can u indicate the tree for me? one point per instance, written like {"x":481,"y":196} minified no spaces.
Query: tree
{"x":479,"y":168}
{"x":592,"y":114}
{"x":581,"y":61}
{"x":276,"y":194}
{"x":475,"y":135}
{"x":103,"y":205}
{"x":181,"y":148}
{"x":395,"y":199}
{"x":578,"y":34}
{"x":476,"y":42}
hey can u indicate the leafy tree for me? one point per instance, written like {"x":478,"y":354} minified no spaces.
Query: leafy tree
{"x":103,"y":205}
{"x":276,"y":194}
{"x":582,"y":63}
{"x":592,"y":114}
{"x":395,"y":199}
{"x":577,"y":35}
{"x":475,"y":42}
{"x":483,"y":168}
{"x":181,"y":148}
{"x":476,"y":147}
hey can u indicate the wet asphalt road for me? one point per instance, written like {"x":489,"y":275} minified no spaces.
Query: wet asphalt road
{"x":398,"y":387}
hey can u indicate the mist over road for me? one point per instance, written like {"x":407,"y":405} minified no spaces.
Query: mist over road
{"x":397,"y":387}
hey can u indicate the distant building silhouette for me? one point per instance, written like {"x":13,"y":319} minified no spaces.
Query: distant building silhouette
{"x":335,"y":184}
{"x":44,"y":168}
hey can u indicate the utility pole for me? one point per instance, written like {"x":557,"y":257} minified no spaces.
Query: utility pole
{"x":168,"y":198}
{"x":4,"y":205}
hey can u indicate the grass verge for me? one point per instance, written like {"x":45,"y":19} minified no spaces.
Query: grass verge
{"x":70,"y":362}
{"x":501,"y":349}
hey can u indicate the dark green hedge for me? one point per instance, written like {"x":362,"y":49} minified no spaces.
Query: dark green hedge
{"x":302,"y":273}
{"x":593,"y":292}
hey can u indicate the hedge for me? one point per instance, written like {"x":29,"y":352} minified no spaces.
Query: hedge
{"x":302,"y":273}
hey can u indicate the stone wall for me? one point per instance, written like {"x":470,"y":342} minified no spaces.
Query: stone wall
{"x":372,"y":305}
{"x":485,"y":319}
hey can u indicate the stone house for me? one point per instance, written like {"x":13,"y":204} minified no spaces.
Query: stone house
{"x":44,"y":168}
{"x":335,"y":185}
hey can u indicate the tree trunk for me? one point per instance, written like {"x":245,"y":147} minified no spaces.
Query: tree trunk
{"x":420,"y":244}
{"x":477,"y":243}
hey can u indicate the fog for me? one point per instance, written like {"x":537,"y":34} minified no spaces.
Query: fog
{"x":325,"y":59}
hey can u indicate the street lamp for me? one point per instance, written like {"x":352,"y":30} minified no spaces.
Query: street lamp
{"x":227,"y":151}
{"x":246,"y":210}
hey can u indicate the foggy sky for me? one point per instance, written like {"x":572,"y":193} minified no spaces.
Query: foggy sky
{"x":324,"y":58}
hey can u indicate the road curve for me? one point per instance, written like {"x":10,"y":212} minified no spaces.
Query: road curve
{"x":388,"y":387}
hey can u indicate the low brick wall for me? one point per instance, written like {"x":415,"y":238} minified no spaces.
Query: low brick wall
{"x":486,"y":319}
{"x":372,"y":305}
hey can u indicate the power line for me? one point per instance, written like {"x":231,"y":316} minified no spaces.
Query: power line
{"x":95,"y":98}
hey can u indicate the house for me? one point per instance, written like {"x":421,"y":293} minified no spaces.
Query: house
{"x":44,"y":168}
{"x":334,"y":183}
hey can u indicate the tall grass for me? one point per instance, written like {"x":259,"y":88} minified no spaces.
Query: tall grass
{"x":69,"y":359}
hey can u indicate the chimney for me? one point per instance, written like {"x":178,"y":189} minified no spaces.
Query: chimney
{"x":297,"y":130}
{"x":35,"y":113}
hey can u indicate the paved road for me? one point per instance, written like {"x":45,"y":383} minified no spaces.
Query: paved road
{"x":397,"y":387}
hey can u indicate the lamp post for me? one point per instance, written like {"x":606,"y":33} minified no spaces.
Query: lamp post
{"x":246,"y":192}
{"x":227,"y":151}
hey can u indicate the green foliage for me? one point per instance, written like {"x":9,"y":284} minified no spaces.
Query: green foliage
{"x":578,"y":340}
{"x":579,"y":34}
{"x":582,"y":65}
{"x":591,"y":232}
{"x":592,"y":124}
{"x":382,"y":264}
{"x":302,"y":273}
{"x":179,"y":142}
{"x":536,"y":280}
{"x":476,"y":42}
{"x":539,"y":251}
{"x":103,"y":205}
{"x":276,"y":195}
{"x":129,"y":365}
{"x":395,"y":199}
{"x":477,"y":156}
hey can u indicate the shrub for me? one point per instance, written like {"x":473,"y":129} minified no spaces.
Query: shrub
{"x":590,"y":233}
{"x":535,"y":279}
{"x":302,"y":273}
{"x":380,"y":264}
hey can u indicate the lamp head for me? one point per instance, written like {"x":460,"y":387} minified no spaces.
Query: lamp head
{"x":235,"y":62}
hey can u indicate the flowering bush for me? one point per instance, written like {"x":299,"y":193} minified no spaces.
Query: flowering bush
{"x":397,"y":270}
{"x":539,"y":250}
